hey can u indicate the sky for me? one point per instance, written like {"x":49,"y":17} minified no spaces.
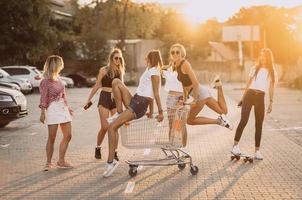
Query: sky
{"x":200,"y":10}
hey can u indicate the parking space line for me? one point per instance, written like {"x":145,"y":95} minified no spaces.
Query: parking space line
{"x":130,"y":186}
{"x":4,"y":145}
{"x":147,"y":152}
{"x":32,"y":134}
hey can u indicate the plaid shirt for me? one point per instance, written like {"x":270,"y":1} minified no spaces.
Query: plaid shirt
{"x":50,"y":91}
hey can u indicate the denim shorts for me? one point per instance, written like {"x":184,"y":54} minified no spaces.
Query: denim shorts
{"x":172,"y":101}
{"x":138,"y":105}
{"x":106,"y":100}
{"x":203,"y":93}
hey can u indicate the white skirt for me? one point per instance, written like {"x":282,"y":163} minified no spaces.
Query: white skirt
{"x":57,"y":113}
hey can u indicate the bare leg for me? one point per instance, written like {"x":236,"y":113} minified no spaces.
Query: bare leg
{"x":104,"y":114}
{"x":219,"y":106}
{"x":195,"y":109}
{"x":66,"y":130}
{"x":116,"y":133}
{"x":52,"y":133}
{"x":114,"y":126}
{"x":121,"y":94}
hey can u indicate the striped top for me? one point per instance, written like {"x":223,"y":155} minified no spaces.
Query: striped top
{"x":50,"y":91}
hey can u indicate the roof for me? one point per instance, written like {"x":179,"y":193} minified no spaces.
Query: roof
{"x":224,"y":51}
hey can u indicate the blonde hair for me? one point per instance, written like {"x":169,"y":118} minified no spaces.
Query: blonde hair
{"x":182,"y":49}
{"x":121,"y":66}
{"x":52,"y":67}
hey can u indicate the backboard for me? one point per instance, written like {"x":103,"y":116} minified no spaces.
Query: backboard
{"x":241,"y":33}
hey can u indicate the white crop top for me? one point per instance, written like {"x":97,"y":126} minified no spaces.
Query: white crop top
{"x":145,"y":83}
{"x":261,"y":81}
{"x":172,"y":83}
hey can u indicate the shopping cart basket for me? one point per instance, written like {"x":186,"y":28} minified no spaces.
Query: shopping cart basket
{"x":169,"y":135}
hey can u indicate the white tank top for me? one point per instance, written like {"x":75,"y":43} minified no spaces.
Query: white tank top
{"x":172,"y":83}
{"x":261,"y":81}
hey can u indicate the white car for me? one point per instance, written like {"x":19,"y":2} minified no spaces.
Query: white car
{"x":29,"y":72}
{"x":23,"y":83}
{"x":68,"y":81}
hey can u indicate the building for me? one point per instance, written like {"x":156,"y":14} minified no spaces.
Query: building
{"x":62,"y":9}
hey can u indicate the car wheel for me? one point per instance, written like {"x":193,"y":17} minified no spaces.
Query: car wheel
{"x":2,"y":124}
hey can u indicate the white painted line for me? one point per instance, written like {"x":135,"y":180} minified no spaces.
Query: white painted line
{"x":4,"y":145}
{"x":32,"y":134}
{"x":129,"y":188}
{"x":147,"y":152}
{"x":285,"y":129}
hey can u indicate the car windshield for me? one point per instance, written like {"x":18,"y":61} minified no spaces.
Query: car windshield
{"x":36,"y":71}
{"x":4,"y":73}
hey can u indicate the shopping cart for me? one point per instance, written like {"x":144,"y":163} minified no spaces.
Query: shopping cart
{"x":169,"y":135}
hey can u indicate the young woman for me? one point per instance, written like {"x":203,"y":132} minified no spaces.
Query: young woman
{"x":262,"y":78}
{"x":200,"y":93}
{"x":147,"y":90}
{"x":55,"y":110}
{"x":106,"y":104}
{"x":175,"y":92}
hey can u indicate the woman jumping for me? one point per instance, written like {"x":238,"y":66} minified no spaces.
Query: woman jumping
{"x":200,"y":93}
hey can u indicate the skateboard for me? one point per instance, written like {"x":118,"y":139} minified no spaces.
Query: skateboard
{"x":246,"y":157}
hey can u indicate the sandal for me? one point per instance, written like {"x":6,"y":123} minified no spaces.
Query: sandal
{"x":64,"y":165}
{"x":47,"y":167}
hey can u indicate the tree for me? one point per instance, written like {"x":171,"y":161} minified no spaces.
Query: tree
{"x":25,"y":32}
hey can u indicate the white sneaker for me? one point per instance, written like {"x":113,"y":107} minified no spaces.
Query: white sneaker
{"x":113,"y":118}
{"x":236,"y":150}
{"x":216,"y":82}
{"x":258,"y":155}
{"x":225,"y":122}
{"x":110,"y":168}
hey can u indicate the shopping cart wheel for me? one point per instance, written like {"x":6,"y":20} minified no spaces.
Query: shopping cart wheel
{"x":194,"y":170}
{"x":133,"y":172}
{"x":181,"y":166}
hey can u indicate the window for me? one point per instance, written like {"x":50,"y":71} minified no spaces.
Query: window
{"x":17,"y":71}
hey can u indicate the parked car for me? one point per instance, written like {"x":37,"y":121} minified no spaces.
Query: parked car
{"x":12,"y":86}
{"x":69,"y":82}
{"x":81,"y":80}
{"x":13,"y":105}
{"x":24,"y":84}
{"x":29,"y":72}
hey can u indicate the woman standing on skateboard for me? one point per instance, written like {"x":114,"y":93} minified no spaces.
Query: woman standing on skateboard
{"x":200,"y":93}
{"x":106,"y":104}
{"x":262,"y":79}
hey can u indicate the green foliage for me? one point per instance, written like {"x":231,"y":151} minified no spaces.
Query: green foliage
{"x":25,"y":33}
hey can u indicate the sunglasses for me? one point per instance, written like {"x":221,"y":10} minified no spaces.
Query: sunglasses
{"x":175,"y":52}
{"x":117,"y":58}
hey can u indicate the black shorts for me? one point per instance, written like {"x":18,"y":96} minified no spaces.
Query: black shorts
{"x":138,"y":105}
{"x":106,"y":100}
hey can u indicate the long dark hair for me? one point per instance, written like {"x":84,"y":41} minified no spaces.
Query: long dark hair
{"x":269,"y":63}
{"x":154,"y":58}
{"x":121,"y":67}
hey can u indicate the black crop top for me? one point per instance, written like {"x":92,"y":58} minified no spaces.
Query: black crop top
{"x":107,"y":80}
{"x":183,"y":78}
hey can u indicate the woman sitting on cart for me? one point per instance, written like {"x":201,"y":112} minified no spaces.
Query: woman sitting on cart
{"x":200,"y":93}
{"x":137,"y":105}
